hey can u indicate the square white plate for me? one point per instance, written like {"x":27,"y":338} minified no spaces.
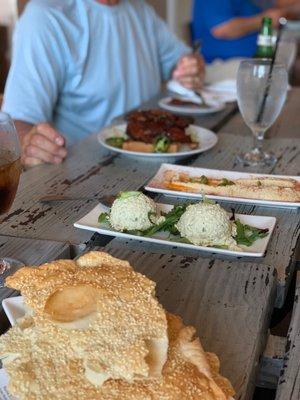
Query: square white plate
{"x":258,"y":249}
{"x":156,"y":184}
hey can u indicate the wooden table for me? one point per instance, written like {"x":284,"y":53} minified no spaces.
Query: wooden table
{"x":228,"y":300}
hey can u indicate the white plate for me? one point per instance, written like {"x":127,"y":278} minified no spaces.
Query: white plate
{"x":258,"y":249}
{"x":215,"y":106}
{"x":206,"y":138}
{"x":14,"y":308}
{"x":156,"y":184}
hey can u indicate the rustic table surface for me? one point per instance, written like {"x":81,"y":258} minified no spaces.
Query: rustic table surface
{"x":229,"y":300}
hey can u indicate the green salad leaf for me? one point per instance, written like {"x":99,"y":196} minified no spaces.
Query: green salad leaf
{"x":116,"y":141}
{"x":246,"y":235}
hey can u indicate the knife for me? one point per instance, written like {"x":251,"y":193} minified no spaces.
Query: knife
{"x":106,"y":200}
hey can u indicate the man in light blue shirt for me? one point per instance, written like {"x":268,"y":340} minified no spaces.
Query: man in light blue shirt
{"x":77,"y":64}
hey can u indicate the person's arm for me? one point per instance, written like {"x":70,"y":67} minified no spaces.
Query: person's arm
{"x":33,"y":85}
{"x":241,"y":26}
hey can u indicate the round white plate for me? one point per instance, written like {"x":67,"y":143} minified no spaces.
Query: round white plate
{"x":216,"y":106}
{"x":206,"y":138}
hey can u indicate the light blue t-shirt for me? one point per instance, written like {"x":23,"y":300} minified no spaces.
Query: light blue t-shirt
{"x":79,"y":63}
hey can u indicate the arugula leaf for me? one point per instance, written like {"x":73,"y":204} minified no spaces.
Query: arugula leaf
{"x":221,"y":246}
{"x":103,"y":217}
{"x":168,"y":225}
{"x":246,"y":235}
{"x":116,"y":141}
{"x":180,"y":240}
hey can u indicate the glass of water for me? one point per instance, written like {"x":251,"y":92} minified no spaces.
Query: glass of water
{"x":258,"y":110}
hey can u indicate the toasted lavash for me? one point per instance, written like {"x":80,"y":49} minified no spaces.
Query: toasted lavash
{"x":45,"y":360}
{"x":109,"y":312}
{"x":43,"y":368}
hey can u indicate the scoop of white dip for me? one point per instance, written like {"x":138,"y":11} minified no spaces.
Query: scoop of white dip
{"x":133,"y":211}
{"x":205,"y":224}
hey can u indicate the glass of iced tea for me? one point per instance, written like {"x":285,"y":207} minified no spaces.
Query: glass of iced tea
{"x":10,"y":171}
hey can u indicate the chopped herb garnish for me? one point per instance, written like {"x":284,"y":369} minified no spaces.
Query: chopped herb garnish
{"x":103,"y":217}
{"x":226,"y":182}
{"x":116,"y":141}
{"x":126,"y":195}
{"x":203,"y":180}
{"x":246,"y":235}
{"x":180,"y":240}
{"x":162,"y":144}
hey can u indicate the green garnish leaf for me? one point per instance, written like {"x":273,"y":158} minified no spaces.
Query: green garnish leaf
{"x":259,"y":183}
{"x":203,"y":180}
{"x":168,"y":225}
{"x":126,"y":195}
{"x":162,"y":144}
{"x":226,"y":182}
{"x":116,"y":141}
{"x":103,"y":217}
{"x":221,"y":246}
{"x":246,"y":235}
{"x":180,"y":240}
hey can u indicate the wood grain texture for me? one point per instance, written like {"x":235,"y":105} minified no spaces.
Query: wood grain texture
{"x":92,"y":172}
{"x":229,"y":303}
{"x":286,"y":126}
{"x":30,"y":252}
{"x":289,"y":382}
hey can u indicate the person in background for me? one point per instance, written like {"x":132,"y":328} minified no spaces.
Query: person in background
{"x":228,"y":28}
{"x":77,"y":64}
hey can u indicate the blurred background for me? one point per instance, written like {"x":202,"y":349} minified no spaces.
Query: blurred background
{"x":177,"y":14}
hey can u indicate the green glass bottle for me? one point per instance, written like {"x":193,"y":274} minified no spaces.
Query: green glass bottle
{"x":265,"y":45}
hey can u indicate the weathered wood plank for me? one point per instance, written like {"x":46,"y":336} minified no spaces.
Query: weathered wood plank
{"x":287,"y":125}
{"x":91,"y":172}
{"x":289,"y":382}
{"x":30,"y":252}
{"x":228,"y":302}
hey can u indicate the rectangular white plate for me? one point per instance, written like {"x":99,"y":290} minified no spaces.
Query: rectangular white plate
{"x":14,"y":308}
{"x":156,"y":184}
{"x":258,"y":249}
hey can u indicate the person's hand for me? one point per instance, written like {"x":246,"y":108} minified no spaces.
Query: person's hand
{"x":190,"y":71}
{"x":275,"y":14}
{"x":42,"y":144}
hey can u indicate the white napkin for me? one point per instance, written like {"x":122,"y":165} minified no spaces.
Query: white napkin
{"x":219,"y":92}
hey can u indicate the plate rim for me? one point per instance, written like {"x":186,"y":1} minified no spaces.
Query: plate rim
{"x":177,"y":109}
{"x":189,"y":153}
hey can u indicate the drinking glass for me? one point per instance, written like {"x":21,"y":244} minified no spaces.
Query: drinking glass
{"x":10,"y":170}
{"x":260,"y":99}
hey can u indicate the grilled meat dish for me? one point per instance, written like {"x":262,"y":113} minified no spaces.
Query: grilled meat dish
{"x":147,"y":125}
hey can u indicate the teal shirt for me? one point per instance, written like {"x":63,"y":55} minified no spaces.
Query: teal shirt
{"x":78,"y":63}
